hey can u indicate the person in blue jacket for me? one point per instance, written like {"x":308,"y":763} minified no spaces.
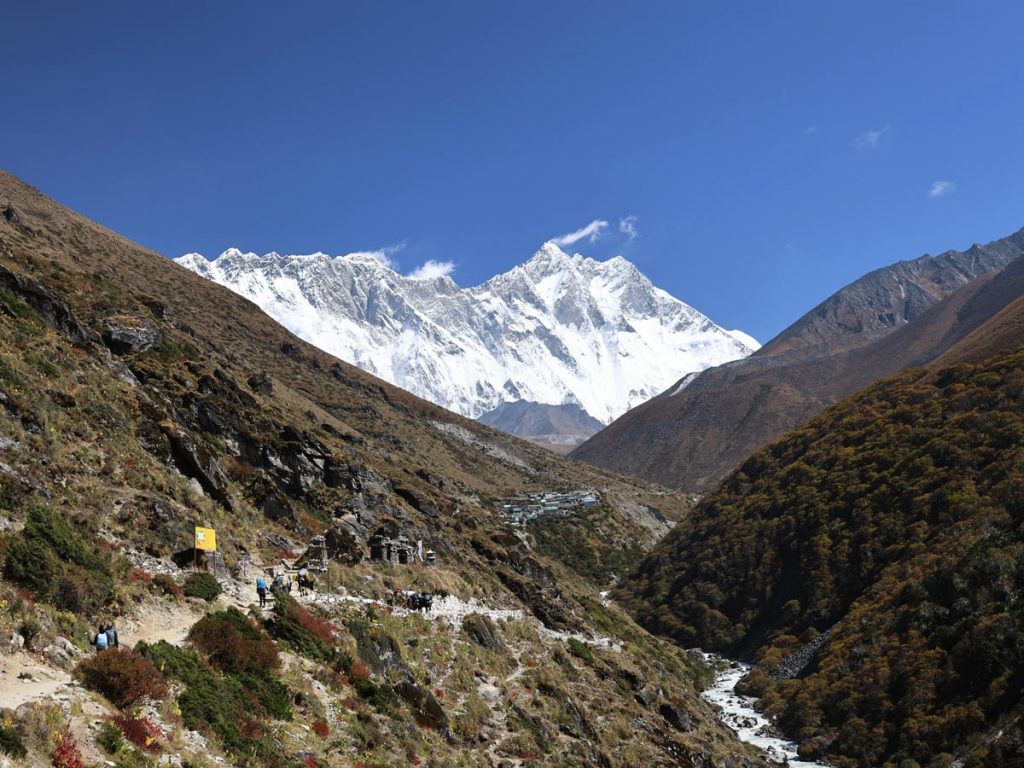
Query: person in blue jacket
{"x":261,"y":590}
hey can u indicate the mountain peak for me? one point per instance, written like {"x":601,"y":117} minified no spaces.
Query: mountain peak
{"x":553,"y":330}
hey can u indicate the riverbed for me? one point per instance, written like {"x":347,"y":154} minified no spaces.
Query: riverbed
{"x":738,"y":713}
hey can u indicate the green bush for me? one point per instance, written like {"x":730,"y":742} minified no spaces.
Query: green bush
{"x":11,"y":743}
{"x":302,"y":631}
{"x":202,"y":585}
{"x":50,"y":558}
{"x":110,"y":739}
{"x":234,"y":707}
{"x":580,"y":650}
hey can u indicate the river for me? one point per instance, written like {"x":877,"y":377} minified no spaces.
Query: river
{"x":738,"y":713}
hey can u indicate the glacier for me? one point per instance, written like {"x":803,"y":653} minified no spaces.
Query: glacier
{"x":557,"y":329}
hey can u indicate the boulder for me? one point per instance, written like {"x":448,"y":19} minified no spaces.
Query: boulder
{"x":483,"y":631}
{"x":130,"y":335}
{"x":676,"y":717}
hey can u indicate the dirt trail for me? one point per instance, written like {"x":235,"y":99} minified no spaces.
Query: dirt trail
{"x":46,"y":682}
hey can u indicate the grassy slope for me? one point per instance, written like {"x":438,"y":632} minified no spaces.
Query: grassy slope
{"x":87,"y":434}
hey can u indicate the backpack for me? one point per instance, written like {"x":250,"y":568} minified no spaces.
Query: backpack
{"x":112,"y":637}
{"x":261,"y":583}
{"x":101,"y":641}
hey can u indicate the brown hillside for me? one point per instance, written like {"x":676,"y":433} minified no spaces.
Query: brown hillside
{"x":690,"y":438}
{"x":138,"y":400}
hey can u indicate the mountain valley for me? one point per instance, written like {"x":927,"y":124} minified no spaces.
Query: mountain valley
{"x":138,"y":401}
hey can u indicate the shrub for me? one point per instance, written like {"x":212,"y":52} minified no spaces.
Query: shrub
{"x":580,"y":650}
{"x":66,"y":753}
{"x":122,"y":675}
{"x":321,"y":729}
{"x":307,"y":634}
{"x":203,"y":585}
{"x":232,"y":706}
{"x":166,"y":585}
{"x":110,"y":738}
{"x":50,"y":558}
{"x":11,"y":743}
{"x":234,"y":643}
{"x":140,"y":731}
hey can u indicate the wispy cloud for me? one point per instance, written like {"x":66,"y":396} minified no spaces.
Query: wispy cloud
{"x":593,"y":230}
{"x":383,"y":255}
{"x":431,"y":269}
{"x":810,"y":129}
{"x":941,"y":188}
{"x":871,"y":139}
{"x":627,"y":226}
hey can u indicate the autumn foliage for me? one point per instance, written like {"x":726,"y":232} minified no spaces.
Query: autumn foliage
{"x":897,"y":517}
{"x":123,"y":676}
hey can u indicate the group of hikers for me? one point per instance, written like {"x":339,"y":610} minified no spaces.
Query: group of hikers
{"x":106,"y":637}
{"x":280,"y":582}
{"x":411,"y":599}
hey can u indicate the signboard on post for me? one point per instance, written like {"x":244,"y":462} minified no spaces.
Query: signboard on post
{"x":206,"y":539}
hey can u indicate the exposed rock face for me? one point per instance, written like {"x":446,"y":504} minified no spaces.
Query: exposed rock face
{"x":902,"y":316}
{"x":129,"y":336}
{"x":483,"y":631}
{"x":11,"y":214}
{"x":52,"y":310}
{"x":195,"y":460}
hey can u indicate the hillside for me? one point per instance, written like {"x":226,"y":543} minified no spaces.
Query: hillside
{"x":138,"y":400}
{"x":870,"y":561}
{"x":559,"y":427}
{"x":701,"y":428}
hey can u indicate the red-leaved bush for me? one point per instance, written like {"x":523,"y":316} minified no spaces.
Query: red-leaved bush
{"x":122,"y":675}
{"x":66,"y":753}
{"x":321,"y":729}
{"x":140,"y":731}
{"x":234,"y":642}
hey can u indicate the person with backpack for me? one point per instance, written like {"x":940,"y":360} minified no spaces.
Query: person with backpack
{"x":261,"y":590}
{"x":100,"y":641}
{"x":111,"y":634}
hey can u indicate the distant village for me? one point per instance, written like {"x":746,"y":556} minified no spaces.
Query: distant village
{"x":519,"y":510}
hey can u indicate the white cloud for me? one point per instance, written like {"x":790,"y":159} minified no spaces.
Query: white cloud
{"x":627,"y":226}
{"x":383,"y":255}
{"x":810,"y":129}
{"x":941,"y":188}
{"x":432,"y":269}
{"x":593,"y":231}
{"x":871,"y":139}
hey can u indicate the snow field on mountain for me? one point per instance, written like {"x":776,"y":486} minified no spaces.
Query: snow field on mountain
{"x":556,"y":329}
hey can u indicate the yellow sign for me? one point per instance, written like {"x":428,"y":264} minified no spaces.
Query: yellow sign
{"x":206,"y":538}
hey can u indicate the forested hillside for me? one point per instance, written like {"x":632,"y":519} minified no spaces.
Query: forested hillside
{"x":895,"y":522}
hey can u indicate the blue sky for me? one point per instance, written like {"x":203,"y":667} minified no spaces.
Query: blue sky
{"x":767,"y":153}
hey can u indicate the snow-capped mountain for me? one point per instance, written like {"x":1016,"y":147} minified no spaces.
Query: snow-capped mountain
{"x":557,"y":329}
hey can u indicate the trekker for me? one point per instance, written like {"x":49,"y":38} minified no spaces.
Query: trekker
{"x":111,"y":633}
{"x":261,"y":590}
{"x":277,"y":583}
{"x":100,"y":641}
